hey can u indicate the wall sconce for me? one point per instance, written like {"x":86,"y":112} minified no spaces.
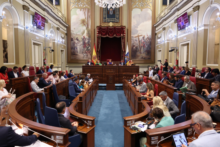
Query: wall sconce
{"x":3,"y":15}
{"x":218,"y":16}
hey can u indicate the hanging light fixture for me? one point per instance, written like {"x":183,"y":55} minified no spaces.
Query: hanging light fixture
{"x":110,"y":3}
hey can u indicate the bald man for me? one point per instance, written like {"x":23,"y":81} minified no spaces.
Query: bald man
{"x":42,"y":82}
{"x":202,"y":124}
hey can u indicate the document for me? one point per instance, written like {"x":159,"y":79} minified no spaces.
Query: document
{"x":141,"y":126}
{"x":38,"y":143}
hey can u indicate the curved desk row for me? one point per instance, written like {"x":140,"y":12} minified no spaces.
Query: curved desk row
{"x":193,"y":104}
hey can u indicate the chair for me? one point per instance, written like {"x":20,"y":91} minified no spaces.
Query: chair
{"x":136,"y":75}
{"x":44,"y":102}
{"x":183,"y":108}
{"x":31,"y":71}
{"x":174,"y":67}
{"x":9,"y":70}
{"x":47,"y":67}
{"x":44,"y":69}
{"x":39,"y":112}
{"x":180,"y":67}
{"x":193,"y":79}
{"x":51,"y":118}
{"x":48,"y":74}
{"x":57,"y":100}
{"x":203,"y":69}
{"x":19,"y":69}
{"x":182,"y":78}
{"x":168,"y":74}
{"x":193,"y":72}
{"x":145,"y":79}
{"x":179,"y":119}
{"x":149,"y":81}
{"x":29,"y":85}
{"x":37,"y":69}
{"x":176,"y":98}
{"x":156,"y":90}
{"x":161,"y":67}
{"x":66,"y":73}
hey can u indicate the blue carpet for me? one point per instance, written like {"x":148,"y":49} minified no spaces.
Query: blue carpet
{"x":109,"y":108}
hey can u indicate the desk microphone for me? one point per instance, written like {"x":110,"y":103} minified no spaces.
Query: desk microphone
{"x":163,"y":140}
{"x":79,"y":118}
{"x":38,"y":133}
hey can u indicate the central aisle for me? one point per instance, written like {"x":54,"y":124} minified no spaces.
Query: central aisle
{"x":109,"y":108}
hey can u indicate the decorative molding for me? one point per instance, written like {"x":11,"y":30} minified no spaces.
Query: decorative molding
{"x":25,"y":8}
{"x":141,"y":4}
{"x":164,"y":29}
{"x":46,"y":20}
{"x":196,"y":8}
{"x":175,"y":21}
{"x":80,"y":4}
{"x":58,"y":28}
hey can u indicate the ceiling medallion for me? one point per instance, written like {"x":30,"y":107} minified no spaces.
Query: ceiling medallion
{"x":110,"y":3}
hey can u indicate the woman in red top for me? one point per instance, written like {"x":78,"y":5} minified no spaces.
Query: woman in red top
{"x":4,"y":74}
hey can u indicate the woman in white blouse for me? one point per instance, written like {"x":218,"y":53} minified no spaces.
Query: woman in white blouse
{"x":3,"y":92}
{"x":25,"y":72}
{"x":62,"y":76}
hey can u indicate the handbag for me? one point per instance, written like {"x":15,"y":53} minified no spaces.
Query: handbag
{"x":215,"y":113}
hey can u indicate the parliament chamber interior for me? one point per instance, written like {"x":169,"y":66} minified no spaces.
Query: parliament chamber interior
{"x":109,"y":73}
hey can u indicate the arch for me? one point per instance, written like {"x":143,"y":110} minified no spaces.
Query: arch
{"x":169,"y":32}
{"x":208,"y":13}
{"x":12,"y":10}
{"x":51,"y":31}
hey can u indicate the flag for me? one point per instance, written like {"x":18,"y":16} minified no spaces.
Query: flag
{"x":94,"y":57}
{"x":127,"y":55}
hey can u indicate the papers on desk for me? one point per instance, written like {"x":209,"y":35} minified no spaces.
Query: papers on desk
{"x":38,"y":143}
{"x":140,"y":125}
{"x":183,"y":89}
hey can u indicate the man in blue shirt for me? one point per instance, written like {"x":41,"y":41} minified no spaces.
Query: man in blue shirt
{"x":71,"y":74}
{"x":183,"y":71}
{"x":179,"y":82}
{"x":41,"y":71}
{"x":50,"y":69}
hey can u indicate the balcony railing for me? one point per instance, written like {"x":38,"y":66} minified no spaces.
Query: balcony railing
{"x":55,"y":9}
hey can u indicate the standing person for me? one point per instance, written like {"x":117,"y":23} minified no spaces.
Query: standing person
{"x":202,"y":124}
{"x":25,"y":72}
{"x":14,"y":73}
{"x":50,"y":69}
{"x":4,"y":74}
{"x":165,"y":65}
{"x":156,"y":68}
{"x":150,"y":72}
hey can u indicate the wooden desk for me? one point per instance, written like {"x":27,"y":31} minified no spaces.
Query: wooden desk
{"x":203,"y":84}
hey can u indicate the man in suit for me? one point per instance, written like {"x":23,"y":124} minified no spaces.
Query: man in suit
{"x":87,"y":78}
{"x":89,"y":63}
{"x":178,"y":83}
{"x":164,"y":75}
{"x":8,"y":138}
{"x":191,"y":87}
{"x":71,"y":74}
{"x":206,"y":74}
{"x":143,"y":87}
{"x":41,"y":71}
{"x":64,"y":122}
{"x":216,"y":75}
{"x":202,"y":124}
{"x":170,"y":69}
{"x":76,"y":85}
{"x":173,"y":109}
{"x":165,"y":65}
{"x":14,"y":73}
{"x":183,"y":71}
{"x":42,"y":82}
{"x":156,"y":68}
{"x":122,"y":63}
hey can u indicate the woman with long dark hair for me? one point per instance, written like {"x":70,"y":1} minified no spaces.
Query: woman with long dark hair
{"x":4,"y":74}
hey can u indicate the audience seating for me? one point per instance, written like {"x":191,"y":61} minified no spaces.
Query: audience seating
{"x":29,"y":85}
{"x":183,"y":108}
{"x":37,"y":69}
{"x":174,"y":67}
{"x":31,"y":71}
{"x":193,"y":72}
{"x":48,"y":74}
{"x":168,"y":74}
{"x":47,"y":67}
{"x":203,"y":69}
{"x":180,"y":67}
{"x":66,"y":73}
{"x":193,"y":79}
{"x":9,"y":70}
{"x":179,"y":119}
{"x":145,"y":79}
{"x":176,"y":98}
{"x":156,"y":90}
{"x":161,"y":67}
{"x":39,"y":112}
{"x":19,"y":69}
{"x":44,"y":69}
{"x":56,"y":97}
{"x":149,"y":81}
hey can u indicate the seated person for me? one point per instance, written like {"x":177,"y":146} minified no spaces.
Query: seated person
{"x":71,"y":74}
{"x":201,"y":122}
{"x":158,"y":103}
{"x":98,"y":63}
{"x":143,"y":87}
{"x":134,"y":80}
{"x":216,"y":75}
{"x":75,"y":85}
{"x":216,"y":100}
{"x":187,"y":71}
{"x":130,"y":62}
{"x":86,"y":85}
{"x":81,"y":85}
{"x":87,"y":78}
{"x":42,"y":82}
{"x":10,"y":139}
{"x":4,"y":74}
{"x":110,"y":62}
{"x":65,"y":75}
{"x":122,"y":63}
{"x":51,"y":78}
{"x":206,"y":74}
{"x":178,"y":83}
{"x":156,"y":76}
{"x":160,"y":121}
{"x":62,"y":78}
{"x":156,"y":68}
{"x":164,"y":77}
{"x":41,"y":71}
{"x":3,"y":92}
{"x":34,"y":85}
{"x":171,"y":80}
{"x":177,"y":70}
{"x":65,"y":122}
{"x":50,"y":69}
{"x":173,"y":109}
{"x":183,"y":71}
{"x":165,"y":110}
{"x":150,"y":72}
{"x":57,"y":78}
{"x":210,"y":96}
{"x":90,"y":63}
{"x":25,"y":72}
{"x":150,"y":92}
{"x":191,"y":87}
{"x":14,"y":73}
{"x":170,"y":69}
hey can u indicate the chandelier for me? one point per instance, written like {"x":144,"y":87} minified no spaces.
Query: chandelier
{"x":110,"y":3}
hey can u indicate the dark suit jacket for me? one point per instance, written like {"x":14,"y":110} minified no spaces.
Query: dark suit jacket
{"x":209,"y":75}
{"x":171,"y":70}
{"x":90,"y":63}
{"x":86,"y":78}
{"x":76,"y":88}
{"x":178,"y":84}
{"x":65,"y":123}
{"x":70,"y":75}
{"x":11,"y":75}
{"x":40,"y":72}
{"x":65,"y":76}
{"x":156,"y":69}
{"x":42,"y":83}
{"x":8,"y":138}
{"x":165,"y":78}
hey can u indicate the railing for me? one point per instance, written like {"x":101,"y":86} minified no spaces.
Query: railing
{"x":55,"y":9}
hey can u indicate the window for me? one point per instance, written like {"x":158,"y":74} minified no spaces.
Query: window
{"x":213,"y":40}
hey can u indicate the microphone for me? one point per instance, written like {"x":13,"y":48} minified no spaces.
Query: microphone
{"x":163,"y":140}
{"x":37,"y":132}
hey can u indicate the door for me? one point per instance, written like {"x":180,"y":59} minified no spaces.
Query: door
{"x":37,"y":55}
{"x":63,"y":60}
{"x":158,"y":56}
{"x":184,"y":54}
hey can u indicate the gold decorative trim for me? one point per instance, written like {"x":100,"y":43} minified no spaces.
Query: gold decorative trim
{"x":46,"y":21}
{"x":175,"y":21}
{"x":25,"y":8}
{"x":58,"y":28}
{"x":196,"y":8}
{"x":141,"y":4}
{"x":113,"y":24}
{"x":164,"y":28}
{"x":80,"y":4}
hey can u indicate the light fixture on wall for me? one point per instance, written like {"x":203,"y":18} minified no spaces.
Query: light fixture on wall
{"x":110,"y":3}
{"x":51,"y":50}
{"x":218,"y":16}
{"x":3,"y":15}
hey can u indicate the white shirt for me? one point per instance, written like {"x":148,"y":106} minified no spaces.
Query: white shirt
{"x":26,"y":73}
{"x":3,"y":93}
{"x":35,"y":87}
{"x":62,"y":78}
{"x":15,"y":74}
{"x":151,"y":73}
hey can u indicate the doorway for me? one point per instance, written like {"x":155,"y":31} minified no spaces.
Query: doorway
{"x":37,"y":54}
{"x":183,"y":54}
{"x":62,"y":60}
